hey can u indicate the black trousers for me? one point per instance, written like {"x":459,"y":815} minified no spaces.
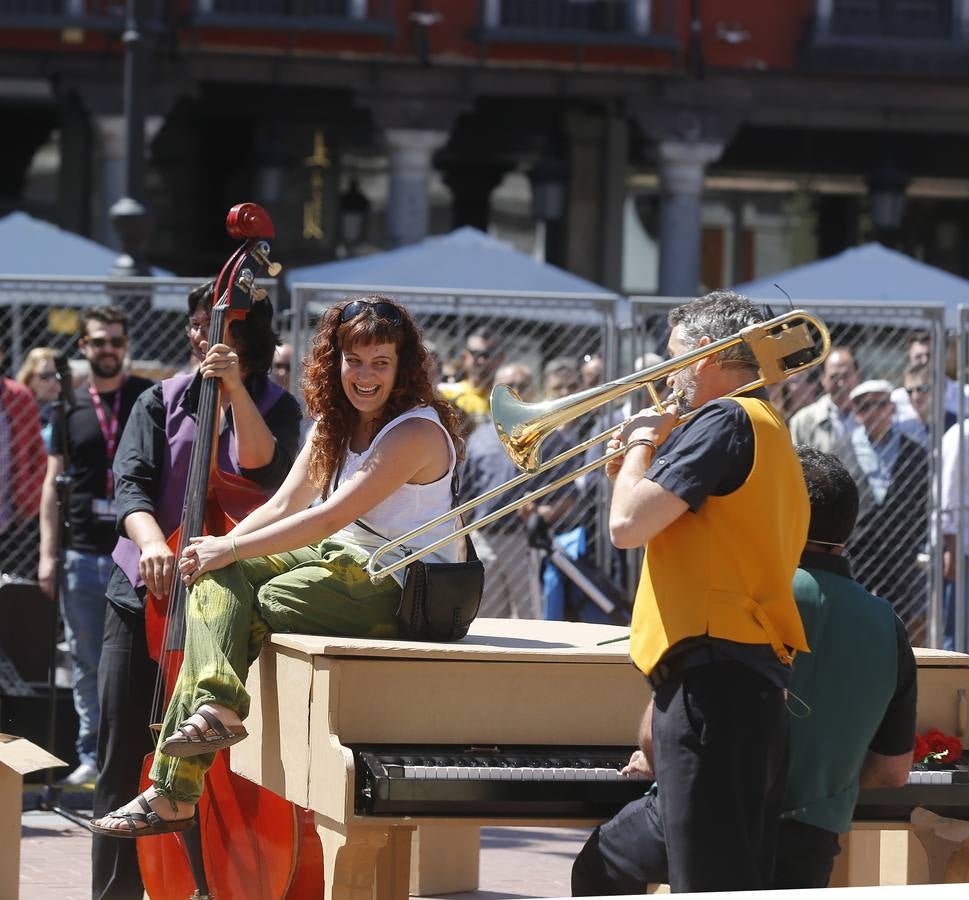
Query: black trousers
{"x":126,"y":685}
{"x":720,"y":744}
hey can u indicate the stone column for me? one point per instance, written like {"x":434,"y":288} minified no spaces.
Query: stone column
{"x":689,"y":133}
{"x":682,"y":165}
{"x":408,"y":203}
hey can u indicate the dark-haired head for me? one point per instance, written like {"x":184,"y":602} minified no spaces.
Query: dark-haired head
{"x":253,"y":337}
{"x":106,"y":315}
{"x":364,"y":321}
{"x":833,"y":495}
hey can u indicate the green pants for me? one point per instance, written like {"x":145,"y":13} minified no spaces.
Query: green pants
{"x":316,"y":590}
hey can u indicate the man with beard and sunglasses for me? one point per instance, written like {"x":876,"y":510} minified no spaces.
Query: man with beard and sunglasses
{"x":721,"y":507}
{"x":91,"y":429}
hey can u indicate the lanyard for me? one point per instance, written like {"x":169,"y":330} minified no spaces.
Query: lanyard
{"x":108,"y":432}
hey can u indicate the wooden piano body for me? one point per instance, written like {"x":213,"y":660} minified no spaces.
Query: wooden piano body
{"x":513,"y":682}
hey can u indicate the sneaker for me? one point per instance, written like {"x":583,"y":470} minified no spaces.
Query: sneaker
{"x":84,"y":774}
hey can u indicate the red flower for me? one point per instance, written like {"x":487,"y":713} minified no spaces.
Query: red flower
{"x":937,"y":748}
{"x":921,"y":749}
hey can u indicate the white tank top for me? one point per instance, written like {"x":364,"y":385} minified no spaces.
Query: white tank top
{"x":409,"y":506}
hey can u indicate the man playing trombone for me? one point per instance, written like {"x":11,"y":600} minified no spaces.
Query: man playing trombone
{"x":721,"y":506}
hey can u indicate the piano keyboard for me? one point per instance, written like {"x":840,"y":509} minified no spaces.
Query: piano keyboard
{"x":942,"y":791}
{"x":943,"y":776}
{"x":494,"y":781}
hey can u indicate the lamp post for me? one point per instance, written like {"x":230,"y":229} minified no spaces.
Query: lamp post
{"x":129,"y":215}
{"x":548,"y":178}
{"x":354,"y":212}
{"x":886,"y":200}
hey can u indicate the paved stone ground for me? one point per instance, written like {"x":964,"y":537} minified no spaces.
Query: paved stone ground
{"x":515,"y":862}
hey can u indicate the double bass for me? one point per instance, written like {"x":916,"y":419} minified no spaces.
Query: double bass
{"x":247,"y":843}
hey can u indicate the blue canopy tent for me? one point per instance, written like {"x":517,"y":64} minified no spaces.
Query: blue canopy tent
{"x":867,"y":273}
{"x":33,"y":247}
{"x":464,"y":259}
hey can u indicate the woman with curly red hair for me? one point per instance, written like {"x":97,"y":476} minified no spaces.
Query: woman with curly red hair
{"x":382,"y":452}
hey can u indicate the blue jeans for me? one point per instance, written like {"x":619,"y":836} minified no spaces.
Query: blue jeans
{"x":82,"y":606}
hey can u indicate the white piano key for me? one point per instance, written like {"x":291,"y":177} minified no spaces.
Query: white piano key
{"x":507,"y":774}
{"x":410,"y":771}
{"x":570,"y":774}
{"x":516,"y":774}
{"x":464,"y":773}
{"x":451,"y":773}
{"x":558,"y":774}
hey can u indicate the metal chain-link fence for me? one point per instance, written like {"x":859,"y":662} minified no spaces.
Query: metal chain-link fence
{"x":556,"y":344}
{"x":547,"y":345}
{"x":889,"y":438}
{"x":40,"y":313}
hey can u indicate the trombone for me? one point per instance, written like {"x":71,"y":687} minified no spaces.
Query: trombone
{"x":782,"y":346}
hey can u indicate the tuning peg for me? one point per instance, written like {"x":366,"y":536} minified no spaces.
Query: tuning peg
{"x":261,"y":252}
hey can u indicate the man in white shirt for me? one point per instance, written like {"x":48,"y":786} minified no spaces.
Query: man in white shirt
{"x":824,"y":423}
{"x":892,"y":474}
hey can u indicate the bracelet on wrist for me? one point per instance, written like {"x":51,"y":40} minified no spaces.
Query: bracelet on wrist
{"x":646,"y":442}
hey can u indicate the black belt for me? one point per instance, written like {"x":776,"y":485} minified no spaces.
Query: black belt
{"x":701,"y":655}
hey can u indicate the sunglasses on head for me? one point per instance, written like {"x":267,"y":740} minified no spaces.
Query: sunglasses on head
{"x":382,"y":309}
{"x":99,"y":343}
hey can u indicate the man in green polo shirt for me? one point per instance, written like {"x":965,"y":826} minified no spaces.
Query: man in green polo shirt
{"x":852,"y":698}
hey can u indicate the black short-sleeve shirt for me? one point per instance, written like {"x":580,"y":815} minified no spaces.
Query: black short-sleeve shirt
{"x":87,"y":453}
{"x":711,"y":455}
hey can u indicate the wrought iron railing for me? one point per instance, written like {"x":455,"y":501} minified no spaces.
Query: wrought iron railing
{"x":579,"y":21}
{"x":343,"y":15}
{"x":892,"y":19}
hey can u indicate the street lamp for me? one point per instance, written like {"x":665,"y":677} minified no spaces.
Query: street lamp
{"x":129,"y":215}
{"x":548,"y":189}
{"x":886,"y":197}
{"x":548,"y":178}
{"x":354,"y":212}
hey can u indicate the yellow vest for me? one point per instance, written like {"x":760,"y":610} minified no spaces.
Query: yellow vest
{"x":726,"y":570}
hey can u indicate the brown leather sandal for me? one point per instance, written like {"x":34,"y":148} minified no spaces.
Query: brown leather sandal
{"x":191,"y":740}
{"x":141,"y":824}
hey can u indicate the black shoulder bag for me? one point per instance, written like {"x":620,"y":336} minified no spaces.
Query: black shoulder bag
{"x":439,"y":600}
